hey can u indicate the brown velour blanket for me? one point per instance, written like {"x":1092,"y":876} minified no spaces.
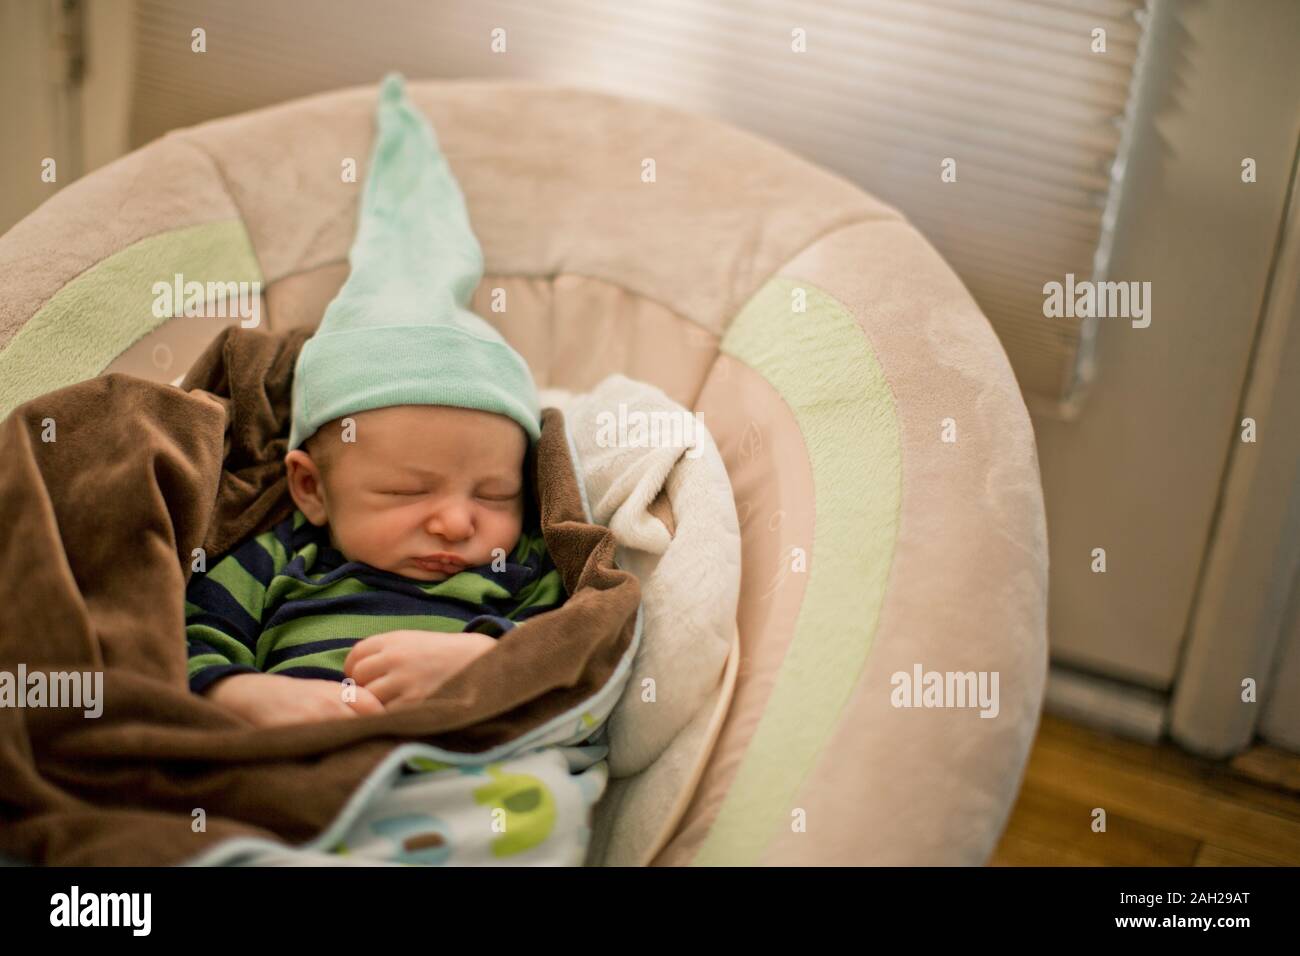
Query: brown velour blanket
{"x":97,"y":530}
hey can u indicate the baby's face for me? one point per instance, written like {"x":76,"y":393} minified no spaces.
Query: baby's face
{"x":424,"y":490}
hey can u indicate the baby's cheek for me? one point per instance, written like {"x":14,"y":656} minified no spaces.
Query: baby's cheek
{"x":506,"y":529}
{"x":376,"y":532}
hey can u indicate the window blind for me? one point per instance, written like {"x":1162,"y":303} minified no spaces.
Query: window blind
{"x":1015,"y":92}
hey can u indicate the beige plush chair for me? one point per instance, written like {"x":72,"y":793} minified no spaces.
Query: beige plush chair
{"x":881,"y":456}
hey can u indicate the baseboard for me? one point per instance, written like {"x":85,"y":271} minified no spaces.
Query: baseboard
{"x":1105,"y":704}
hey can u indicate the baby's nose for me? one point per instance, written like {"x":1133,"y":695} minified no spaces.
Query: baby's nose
{"x":451,"y":521}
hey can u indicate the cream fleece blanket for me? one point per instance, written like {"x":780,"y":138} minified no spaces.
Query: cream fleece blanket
{"x":631,"y":443}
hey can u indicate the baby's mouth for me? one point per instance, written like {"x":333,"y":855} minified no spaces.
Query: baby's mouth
{"x":444,"y":563}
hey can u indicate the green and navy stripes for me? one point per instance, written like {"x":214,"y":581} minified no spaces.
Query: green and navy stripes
{"x":287,"y":602}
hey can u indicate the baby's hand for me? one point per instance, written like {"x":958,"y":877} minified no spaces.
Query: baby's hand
{"x":270,"y":700}
{"x":402,"y":668}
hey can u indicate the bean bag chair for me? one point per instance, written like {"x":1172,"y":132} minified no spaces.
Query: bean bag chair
{"x":881,"y":457}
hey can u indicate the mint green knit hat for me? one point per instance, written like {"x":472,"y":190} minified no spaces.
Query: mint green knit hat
{"x":400,"y":331}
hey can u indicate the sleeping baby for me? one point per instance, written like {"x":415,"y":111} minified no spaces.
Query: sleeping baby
{"x":413,"y":545}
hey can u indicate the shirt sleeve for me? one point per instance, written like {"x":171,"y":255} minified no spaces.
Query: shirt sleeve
{"x":490,"y":624}
{"x":223,"y":610}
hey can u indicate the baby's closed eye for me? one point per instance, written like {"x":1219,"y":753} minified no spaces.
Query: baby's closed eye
{"x":496,"y":495}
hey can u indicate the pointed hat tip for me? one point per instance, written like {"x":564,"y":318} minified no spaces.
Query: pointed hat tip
{"x":392,"y":88}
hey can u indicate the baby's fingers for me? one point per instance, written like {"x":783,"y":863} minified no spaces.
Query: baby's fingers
{"x":387,"y":688}
{"x":366,"y":702}
{"x":361,"y":650}
{"x":330,"y":709}
{"x":371,"y":668}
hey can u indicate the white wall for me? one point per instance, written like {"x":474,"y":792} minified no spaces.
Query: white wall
{"x":52,"y":108}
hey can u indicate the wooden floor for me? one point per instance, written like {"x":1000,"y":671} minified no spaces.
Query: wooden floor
{"x":1164,"y":807}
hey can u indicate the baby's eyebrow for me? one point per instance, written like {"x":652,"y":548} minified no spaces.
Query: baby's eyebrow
{"x":434,"y":473}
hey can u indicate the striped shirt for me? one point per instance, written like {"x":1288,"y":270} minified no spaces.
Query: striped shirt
{"x":287,"y":602}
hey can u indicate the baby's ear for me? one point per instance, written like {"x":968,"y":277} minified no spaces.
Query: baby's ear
{"x":306,"y":486}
